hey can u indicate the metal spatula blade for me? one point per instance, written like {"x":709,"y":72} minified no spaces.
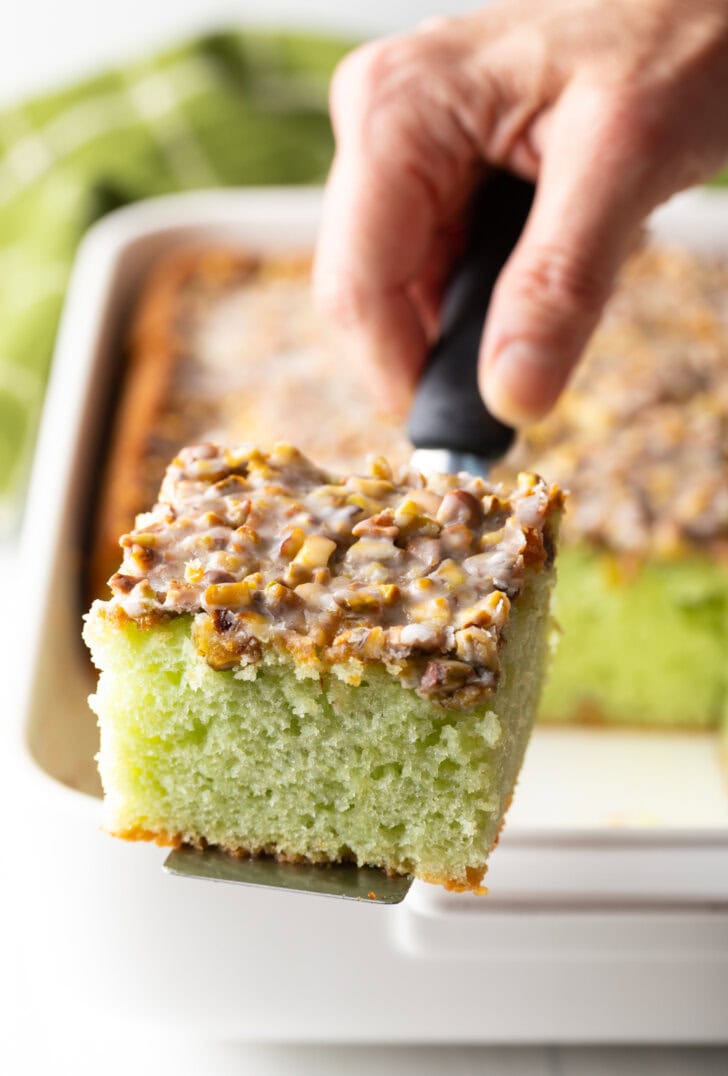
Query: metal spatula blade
{"x":344,"y":880}
{"x":451,"y":431}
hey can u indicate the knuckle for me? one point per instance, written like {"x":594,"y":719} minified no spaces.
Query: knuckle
{"x":350,"y":72}
{"x":390,"y":70}
{"x":436,"y":24}
{"x":557,"y":279}
{"x":361,"y":75}
{"x":348,"y":83}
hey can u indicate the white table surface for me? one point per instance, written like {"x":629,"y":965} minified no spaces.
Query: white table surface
{"x":41,"y":43}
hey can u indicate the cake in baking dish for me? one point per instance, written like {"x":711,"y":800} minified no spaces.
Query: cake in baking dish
{"x":324,"y":668}
{"x":640,"y":439}
{"x":227,"y":345}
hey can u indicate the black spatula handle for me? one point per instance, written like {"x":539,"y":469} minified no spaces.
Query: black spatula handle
{"x":448,"y":411}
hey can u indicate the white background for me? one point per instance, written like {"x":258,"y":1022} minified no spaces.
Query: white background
{"x":43,"y":42}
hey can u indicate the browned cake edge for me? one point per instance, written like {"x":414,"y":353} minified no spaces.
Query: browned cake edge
{"x":155,"y":343}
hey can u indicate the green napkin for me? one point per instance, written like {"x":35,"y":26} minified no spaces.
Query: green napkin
{"x":228,"y":108}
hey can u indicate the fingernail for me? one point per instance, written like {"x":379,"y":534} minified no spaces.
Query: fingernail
{"x":521,"y":383}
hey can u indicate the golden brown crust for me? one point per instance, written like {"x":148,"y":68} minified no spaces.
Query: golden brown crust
{"x":473,"y":875}
{"x":133,"y":469}
{"x":145,"y":379}
{"x":147,"y":429}
{"x":139,"y":833}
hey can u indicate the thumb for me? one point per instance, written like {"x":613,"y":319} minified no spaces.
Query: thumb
{"x":585,"y":219}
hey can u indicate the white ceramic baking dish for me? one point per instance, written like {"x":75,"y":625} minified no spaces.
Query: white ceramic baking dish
{"x":608,"y":913}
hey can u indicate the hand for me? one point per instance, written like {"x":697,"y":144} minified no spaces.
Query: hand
{"x":610,"y":105}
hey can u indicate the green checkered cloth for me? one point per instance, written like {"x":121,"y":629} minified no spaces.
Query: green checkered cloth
{"x":229,"y":108}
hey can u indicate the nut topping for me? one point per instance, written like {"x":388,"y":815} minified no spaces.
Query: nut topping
{"x":417,"y":574}
{"x":459,"y":506}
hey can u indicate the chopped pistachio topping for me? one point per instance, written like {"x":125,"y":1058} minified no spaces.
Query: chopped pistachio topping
{"x":266,"y":550}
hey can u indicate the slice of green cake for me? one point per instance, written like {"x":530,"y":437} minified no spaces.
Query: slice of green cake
{"x":322,"y":668}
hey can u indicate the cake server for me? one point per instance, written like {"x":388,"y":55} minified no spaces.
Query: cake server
{"x":451,"y":431}
{"x":449,"y":424}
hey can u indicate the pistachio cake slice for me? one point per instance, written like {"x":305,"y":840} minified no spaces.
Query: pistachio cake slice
{"x":324,"y":668}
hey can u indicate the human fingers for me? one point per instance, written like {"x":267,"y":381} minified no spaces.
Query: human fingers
{"x":593,"y":193}
{"x":402,"y":173}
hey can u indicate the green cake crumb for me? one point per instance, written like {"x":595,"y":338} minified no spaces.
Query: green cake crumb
{"x":324,"y":669}
{"x":323,"y":770}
